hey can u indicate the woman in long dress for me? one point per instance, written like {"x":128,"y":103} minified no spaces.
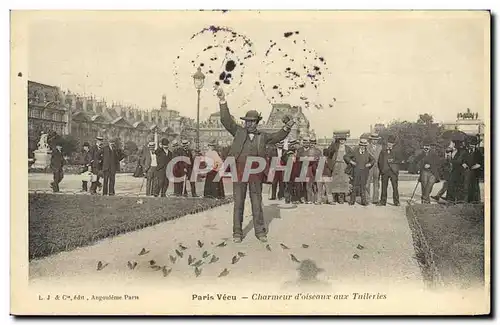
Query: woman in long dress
{"x":455,"y":191}
{"x":340,"y":179}
{"x":214,"y":188}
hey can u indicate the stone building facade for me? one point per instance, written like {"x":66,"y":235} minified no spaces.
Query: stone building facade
{"x":85,"y":117}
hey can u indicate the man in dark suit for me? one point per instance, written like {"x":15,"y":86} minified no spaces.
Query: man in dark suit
{"x":111,"y":157}
{"x":96,"y":165}
{"x":56,"y":165}
{"x":86,"y":162}
{"x":429,"y":170}
{"x":474,"y":166}
{"x":276,"y":152}
{"x":186,"y":151}
{"x":388,"y":165}
{"x":149,"y":163}
{"x":163,"y":158}
{"x":248,"y":143}
{"x":362,"y":161}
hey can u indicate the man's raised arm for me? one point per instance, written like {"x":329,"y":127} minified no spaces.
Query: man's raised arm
{"x":225,"y":117}
{"x":275,"y":137}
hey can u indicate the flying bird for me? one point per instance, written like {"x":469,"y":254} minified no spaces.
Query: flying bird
{"x":305,"y":245}
{"x":268,"y":247}
{"x":198,"y":263}
{"x":131,"y":265}
{"x":293,"y":258}
{"x":190,"y":260}
{"x":222,"y":244}
{"x":182,"y":247}
{"x":235,"y":259}
{"x":101,"y":266}
{"x":205,"y":254}
{"x":155,"y":267}
{"x":172,"y":259}
{"x":355,"y":256}
{"x":143,"y":252}
{"x":180,"y":254}
{"x":166,"y":271}
{"x":223,"y":273}
{"x":284,"y":246}
{"x":197,"y":271}
{"x":240,"y":254}
{"x":214,"y":259}
{"x":152,"y":262}
{"x":360,"y":247}
{"x":200,"y":244}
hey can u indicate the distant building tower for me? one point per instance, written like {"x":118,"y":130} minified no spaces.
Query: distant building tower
{"x":163,"y":103}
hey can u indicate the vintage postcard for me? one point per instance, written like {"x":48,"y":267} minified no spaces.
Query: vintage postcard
{"x":250,"y":162}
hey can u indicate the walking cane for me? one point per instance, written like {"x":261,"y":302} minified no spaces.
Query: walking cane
{"x":185,"y":186}
{"x":415,"y":189}
{"x":142,"y":185}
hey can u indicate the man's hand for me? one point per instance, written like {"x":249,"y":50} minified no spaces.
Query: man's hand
{"x":427,"y":166}
{"x":368,"y":165}
{"x":476,"y":166}
{"x":352,"y":162}
{"x":465,"y":166}
{"x":221,"y":95}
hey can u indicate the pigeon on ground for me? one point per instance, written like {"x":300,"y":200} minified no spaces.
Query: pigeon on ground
{"x":155,"y":267}
{"x":131,"y":265}
{"x":200,"y":244}
{"x":152,"y":262}
{"x":284,"y":246}
{"x":205,"y":254}
{"x":355,"y":256}
{"x":166,"y":271}
{"x":222,"y":244}
{"x":198,"y":263}
{"x":140,"y":201}
{"x":223,"y":273}
{"x":180,"y":254}
{"x":101,"y":266}
{"x":172,"y":259}
{"x":360,"y":247}
{"x":214,"y":259}
{"x":294,"y":258}
{"x":190,"y":260}
{"x":197,"y":271}
{"x":143,"y":252}
{"x":268,"y":247}
{"x":305,"y":245}
{"x":235,"y":259}
{"x":240,"y":254}
{"x":182,"y":247}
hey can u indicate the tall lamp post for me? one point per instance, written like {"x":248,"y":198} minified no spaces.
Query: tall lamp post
{"x":199,"y":80}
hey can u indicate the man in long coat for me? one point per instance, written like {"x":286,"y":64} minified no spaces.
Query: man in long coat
{"x":388,"y":165}
{"x":96,"y":164}
{"x":56,"y":165}
{"x":248,"y":142}
{"x":277,"y":187}
{"x":429,"y":170}
{"x":474,"y":161}
{"x":149,"y":163}
{"x":111,"y":157}
{"x":185,"y":151}
{"x":86,"y":162}
{"x":374,"y":148}
{"x":163,"y":158}
{"x":362,"y":161}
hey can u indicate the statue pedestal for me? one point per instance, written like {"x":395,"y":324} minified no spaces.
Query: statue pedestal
{"x":42,"y":159}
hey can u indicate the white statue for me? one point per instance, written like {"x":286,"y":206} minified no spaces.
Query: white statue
{"x":42,"y":143}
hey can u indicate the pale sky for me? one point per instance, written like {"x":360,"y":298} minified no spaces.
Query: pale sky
{"x":381,"y":66}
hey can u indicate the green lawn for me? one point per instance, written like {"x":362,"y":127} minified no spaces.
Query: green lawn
{"x":449,"y":243}
{"x":59,"y":222}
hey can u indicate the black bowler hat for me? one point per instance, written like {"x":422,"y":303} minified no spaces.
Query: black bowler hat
{"x":252,"y":115}
{"x":391,"y":139}
{"x":86,"y":144}
{"x":164,"y":141}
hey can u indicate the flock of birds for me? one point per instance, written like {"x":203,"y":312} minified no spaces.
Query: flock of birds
{"x":206,"y":258}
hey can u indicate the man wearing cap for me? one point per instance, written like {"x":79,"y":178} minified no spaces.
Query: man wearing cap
{"x":111,"y":157}
{"x":473,"y":166}
{"x":278,"y":186}
{"x":149,"y":163}
{"x":248,"y":142}
{"x":86,"y":163}
{"x":374,"y":148}
{"x":429,"y":170}
{"x":362,"y":161}
{"x":388,"y":164}
{"x":56,"y":165}
{"x":96,"y":164}
{"x":340,"y":179}
{"x":163,"y":158}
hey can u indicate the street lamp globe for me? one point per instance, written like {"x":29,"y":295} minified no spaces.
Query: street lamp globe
{"x":199,"y":79}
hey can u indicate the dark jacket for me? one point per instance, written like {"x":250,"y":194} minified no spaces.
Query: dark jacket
{"x":360,"y":171}
{"x":56,"y":160}
{"x":96,"y":159}
{"x":240,"y":135}
{"x":146,"y":159}
{"x":162,"y":159}
{"x":432,"y":159}
{"x":389,"y":162}
{"x":111,"y":159}
{"x":332,"y":152}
